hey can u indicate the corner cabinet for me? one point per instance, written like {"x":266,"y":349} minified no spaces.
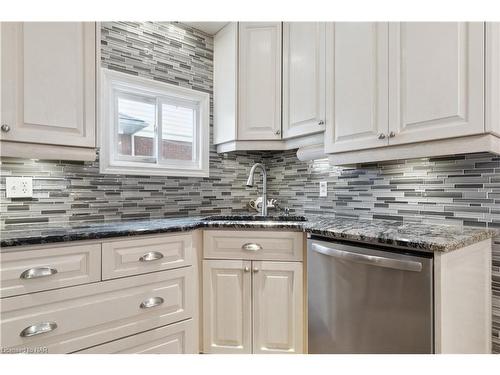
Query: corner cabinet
{"x":48,"y":83}
{"x":259,"y":99}
{"x":247,"y":82}
{"x":403,"y":90}
{"x":303,"y":78}
{"x":227,"y":306}
{"x":249,"y":61}
{"x":253,"y":305}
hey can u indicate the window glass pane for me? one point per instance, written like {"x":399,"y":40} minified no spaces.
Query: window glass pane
{"x":178,"y":127}
{"x":136,"y":127}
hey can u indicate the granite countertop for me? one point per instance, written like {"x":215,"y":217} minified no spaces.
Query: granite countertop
{"x":412,"y":236}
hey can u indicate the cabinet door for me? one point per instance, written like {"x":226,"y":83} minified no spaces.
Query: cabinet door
{"x":278,"y":310}
{"x":225,"y":83}
{"x":48,"y":82}
{"x":436,"y":80}
{"x":259,"y":86}
{"x":303,"y":78}
{"x":357,"y":79}
{"x":493,"y":77}
{"x":227,"y":326}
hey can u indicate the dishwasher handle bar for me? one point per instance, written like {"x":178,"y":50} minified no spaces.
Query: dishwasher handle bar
{"x":374,"y":260}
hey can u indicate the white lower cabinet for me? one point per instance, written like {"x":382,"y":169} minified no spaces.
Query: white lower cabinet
{"x":70,"y":319}
{"x":177,"y":338}
{"x":253,"y":307}
{"x":277,"y":307}
{"x":227,"y":306}
{"x":54,"y":301}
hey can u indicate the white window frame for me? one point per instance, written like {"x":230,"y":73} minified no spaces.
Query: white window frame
{"x":113,"y":82}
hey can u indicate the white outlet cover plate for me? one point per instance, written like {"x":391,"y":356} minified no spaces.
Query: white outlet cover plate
{"x":18,"y":187}
{"x":323,"y":189}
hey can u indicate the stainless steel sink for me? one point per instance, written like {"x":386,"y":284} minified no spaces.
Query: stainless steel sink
{"x":254,"y":218}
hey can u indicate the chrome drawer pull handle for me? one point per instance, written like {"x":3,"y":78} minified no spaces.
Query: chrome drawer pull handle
{"x":251,"y":247}
{"x":152,"y":255}
{"x":37,"y":272}
{"x":151,"y":302}
{"x":38,"y":329}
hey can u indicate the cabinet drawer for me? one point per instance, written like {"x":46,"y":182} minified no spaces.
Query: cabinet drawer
{"x":177,"y":338}
{"x":89,"y":315}
{"x":136,"y":256}
{"x":30,"y":271}
{"x":253,"y":245}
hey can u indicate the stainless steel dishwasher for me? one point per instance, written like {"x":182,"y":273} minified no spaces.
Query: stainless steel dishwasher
{"x":364,"y":299}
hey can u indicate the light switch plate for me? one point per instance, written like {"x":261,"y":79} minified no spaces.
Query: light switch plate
{"x":19,"y":187}
{"x":323,"y":189}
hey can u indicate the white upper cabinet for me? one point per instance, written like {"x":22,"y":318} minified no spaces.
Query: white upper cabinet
{"x":225,"y":83}
{"x":393,"y":85}
{"x":436,"y":80}
{"x":259,"y":85}
{"x":250,"y":97}
{"x":48,"y":83}
{"x":303,"y":78}
{"x":357,"y":79}
{"x":493,"y":77}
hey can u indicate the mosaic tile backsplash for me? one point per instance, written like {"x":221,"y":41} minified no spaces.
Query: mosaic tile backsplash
{"x":459,"y":190}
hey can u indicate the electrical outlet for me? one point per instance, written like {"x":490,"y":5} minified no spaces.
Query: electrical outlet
{"x":19,"y":187}
{"x":323,"y":189}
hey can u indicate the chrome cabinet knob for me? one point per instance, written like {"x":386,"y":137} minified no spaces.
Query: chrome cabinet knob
{"x":277,"y":132}
{"x":246,"y":269}
{"x":38,"y":329}
{"x":255,"y":270}
{"x":321,"y":122}
{"x":5,"y":128}
{"x":392,"y":135}
{"x":381,"y":136}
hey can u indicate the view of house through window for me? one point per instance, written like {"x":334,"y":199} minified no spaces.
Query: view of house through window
{"x":137,"y":129}
{"x":177,"y":132}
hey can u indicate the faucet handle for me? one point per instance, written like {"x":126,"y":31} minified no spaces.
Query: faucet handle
{"x":272,"y":203}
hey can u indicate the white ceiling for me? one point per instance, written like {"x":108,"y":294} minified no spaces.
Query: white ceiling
{"x":207,"y":27}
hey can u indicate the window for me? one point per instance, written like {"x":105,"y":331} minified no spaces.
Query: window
{"x":153,"y":128}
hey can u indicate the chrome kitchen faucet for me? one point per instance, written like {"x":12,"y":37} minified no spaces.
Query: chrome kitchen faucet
{"x":264,"y":185}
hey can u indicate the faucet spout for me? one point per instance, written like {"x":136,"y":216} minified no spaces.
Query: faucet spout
{"x":250,"y":183}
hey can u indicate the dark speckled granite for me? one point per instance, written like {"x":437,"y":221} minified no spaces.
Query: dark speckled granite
{"x":412,"y":236}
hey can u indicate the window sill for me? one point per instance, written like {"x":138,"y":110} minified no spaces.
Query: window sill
{"x":152,"y":171}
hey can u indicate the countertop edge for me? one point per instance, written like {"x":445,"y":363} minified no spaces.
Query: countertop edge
{"x":317,"y":229}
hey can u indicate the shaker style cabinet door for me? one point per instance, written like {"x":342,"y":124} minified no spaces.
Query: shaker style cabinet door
{"x":303,"y":78}
{"x":48,"y":82}
{"x":493,"y":77}
{"x":436,"y":80}
{"x":357,"y":79}
{"x":227,"y":301}
{"x":259,"y":84}
{"x":278,"y":307}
